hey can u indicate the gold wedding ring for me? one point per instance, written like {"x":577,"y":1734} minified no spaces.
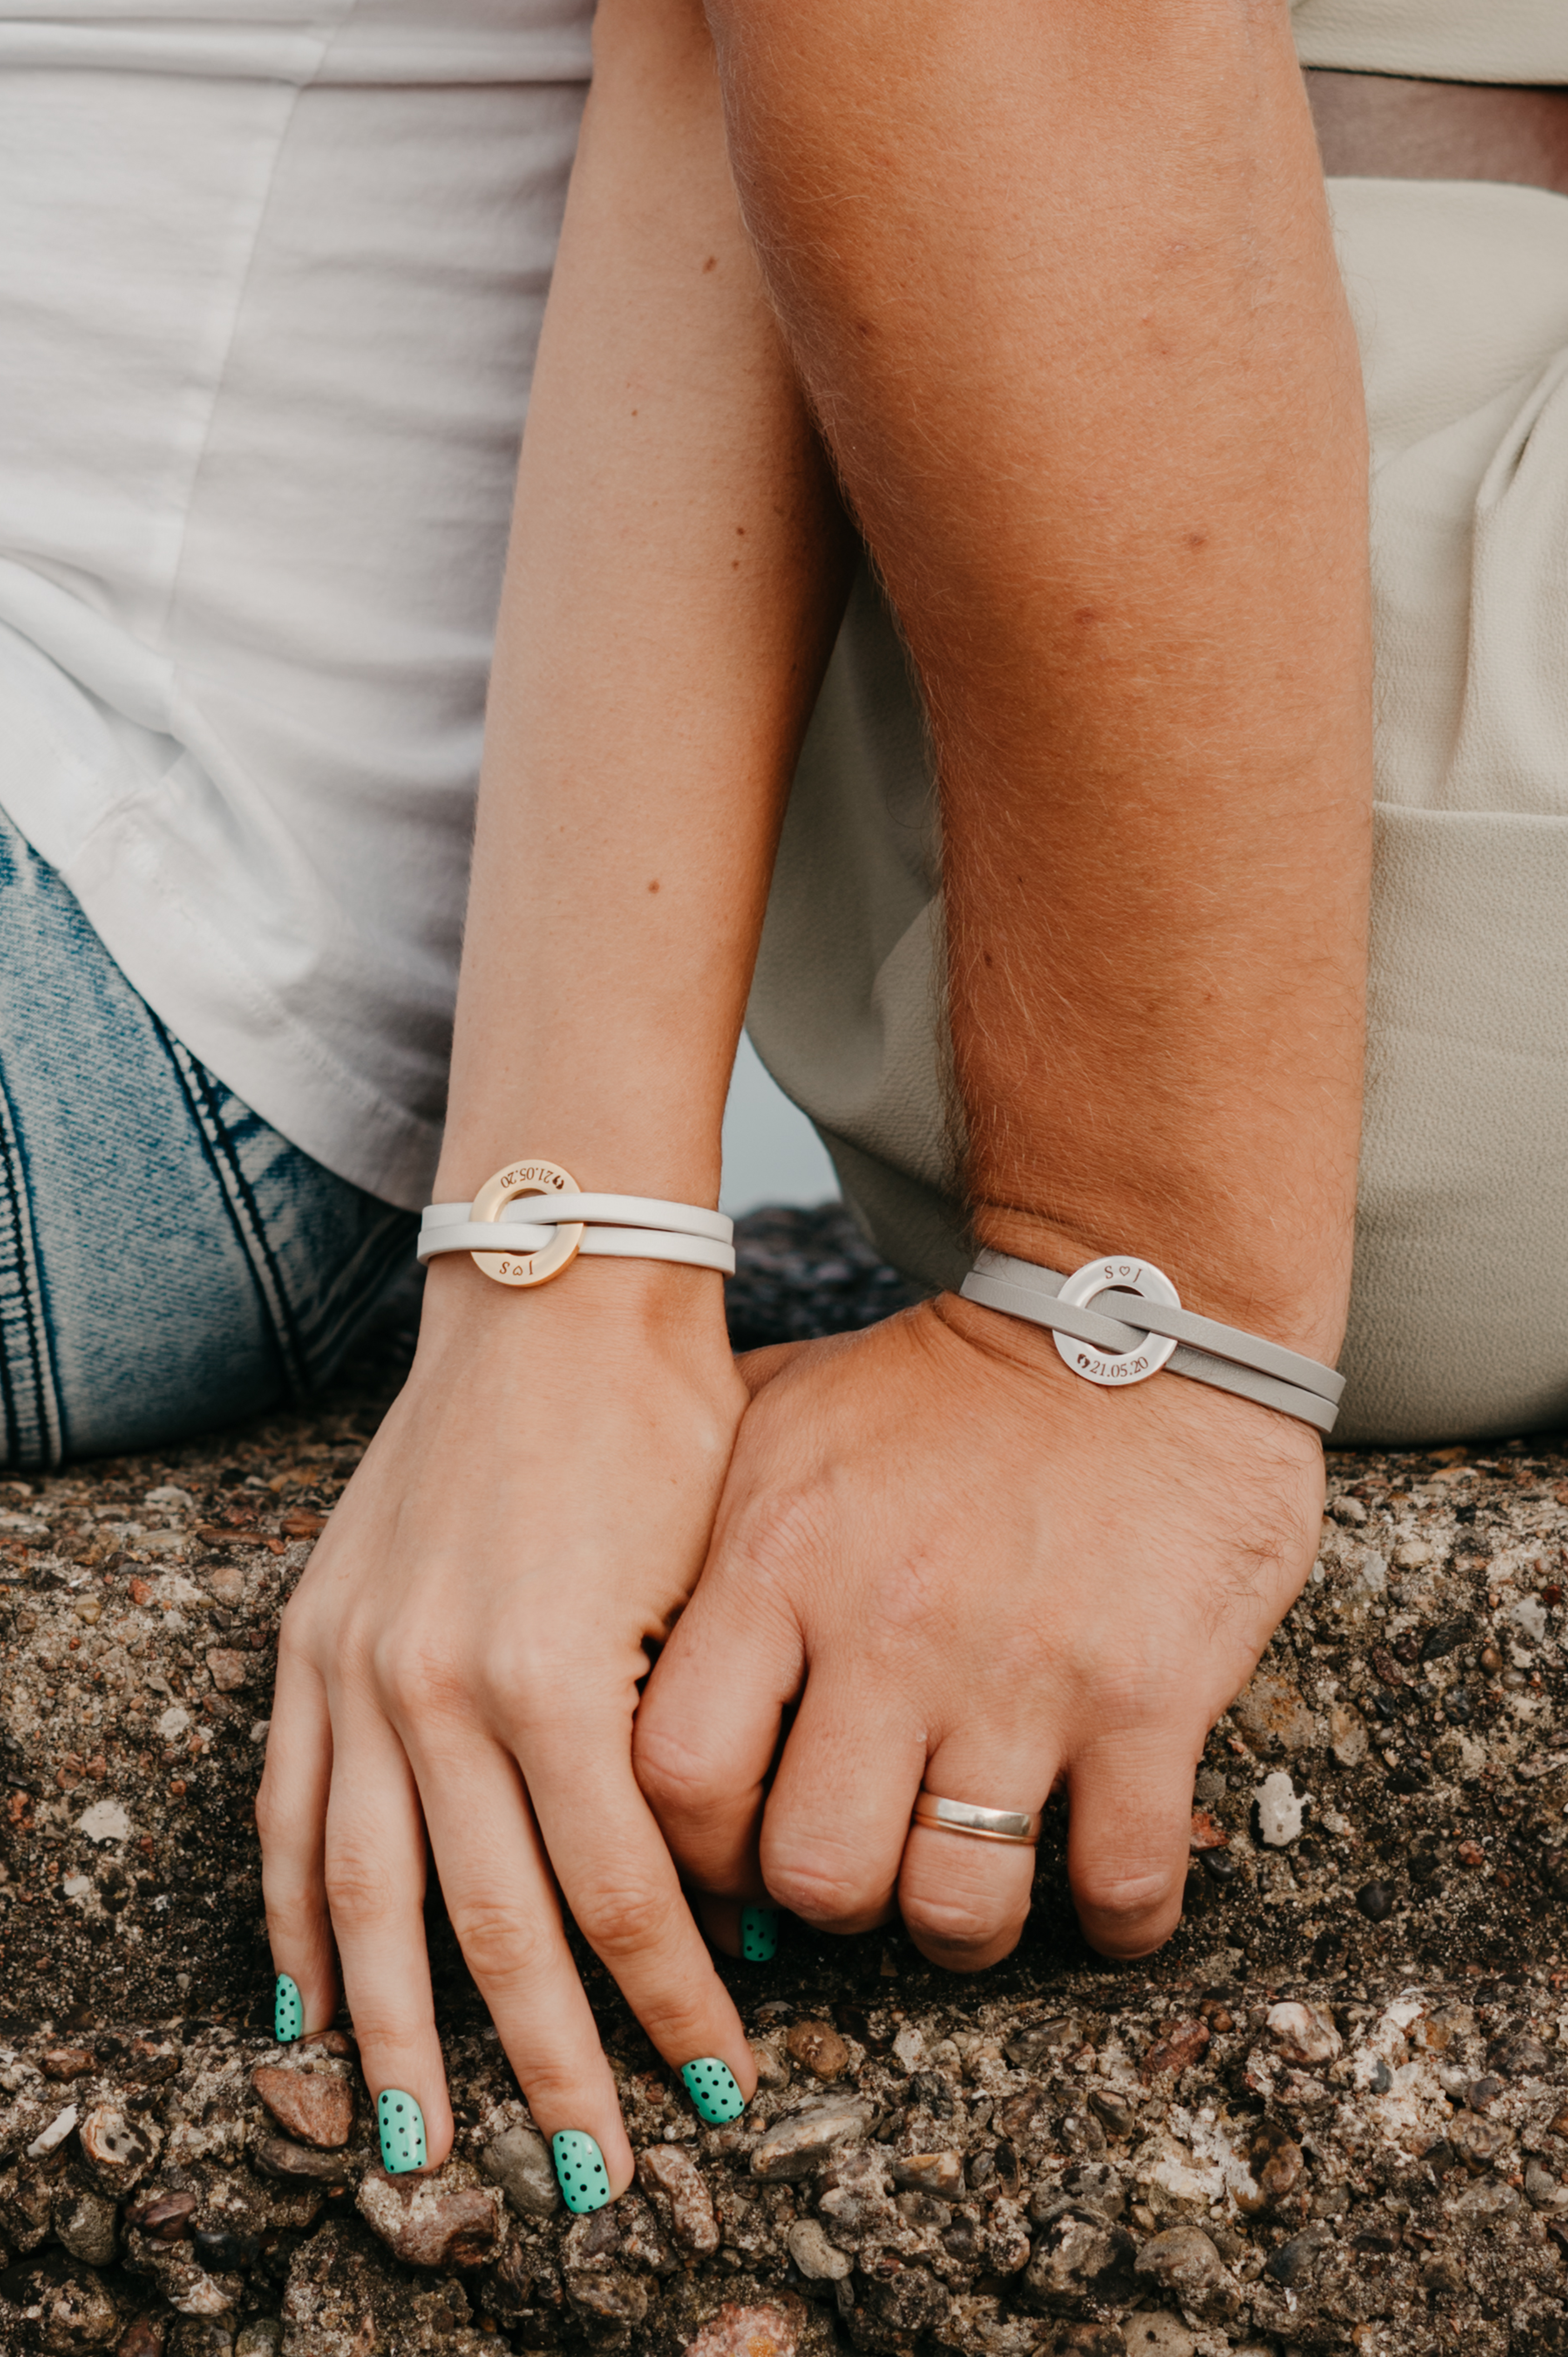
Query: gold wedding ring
{"x":1018,"y":1826}
{"x":509,"y":1186}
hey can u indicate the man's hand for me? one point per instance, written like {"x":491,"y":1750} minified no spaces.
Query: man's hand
{"x":969,"y":1570}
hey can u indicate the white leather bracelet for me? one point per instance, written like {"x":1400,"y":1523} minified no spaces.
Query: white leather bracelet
{"x":530,"y":1221}
{"x":1148,"y":1329}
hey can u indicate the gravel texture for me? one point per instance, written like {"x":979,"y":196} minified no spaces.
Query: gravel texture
{"x":1332,"y":2115}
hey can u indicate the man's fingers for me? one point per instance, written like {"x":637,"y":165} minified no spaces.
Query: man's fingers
{"x":1129,"y":1834}
{"x":964,"y":1899}
{"x":707,"y":1728}
{"x":838,"y":1815}
{"x":620,"y":1883}
{"x":291,"y":1810}
{"x":375,"y":1871}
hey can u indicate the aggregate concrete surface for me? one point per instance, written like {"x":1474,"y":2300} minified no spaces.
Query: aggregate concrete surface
{"x":1332,"y":2115}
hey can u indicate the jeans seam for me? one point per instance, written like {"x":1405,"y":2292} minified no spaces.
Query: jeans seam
{"x":36,"y":1440}
{"x":239,"y":1202}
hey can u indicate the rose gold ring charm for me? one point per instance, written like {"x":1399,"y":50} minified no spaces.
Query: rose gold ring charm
{"x":509,"y":1186}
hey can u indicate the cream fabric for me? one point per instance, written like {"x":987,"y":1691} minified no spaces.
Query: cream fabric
{"x":270,"y":277}
{"x":1459,"y":1321}
{"x":1437,"y":40}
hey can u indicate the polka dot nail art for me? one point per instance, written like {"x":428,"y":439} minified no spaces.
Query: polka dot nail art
{"x":712,"y":2087}
{"x":402,"y":2124}
{"x":288,"y":2012}
{"x":758,"y":1935}
{"x":580,"y":2170}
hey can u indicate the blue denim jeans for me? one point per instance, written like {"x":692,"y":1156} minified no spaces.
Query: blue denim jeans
{"x":167,"y":1261}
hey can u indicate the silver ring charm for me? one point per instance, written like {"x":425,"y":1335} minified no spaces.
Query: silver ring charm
{"x":1116,"y":1369}
{"x":1018,"y":1826}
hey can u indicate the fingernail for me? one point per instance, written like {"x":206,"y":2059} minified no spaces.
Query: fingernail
{"x":580,"y":2170}
{"x":712,"y":2087}
{"x":758,"y":1935}
{"x":288,"y":2012}
{"x":402,"y":2124}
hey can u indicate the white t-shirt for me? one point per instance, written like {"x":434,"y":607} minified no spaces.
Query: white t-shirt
{"x":271,"y":279}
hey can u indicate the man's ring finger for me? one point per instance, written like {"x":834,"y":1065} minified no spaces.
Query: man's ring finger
{"x":1018,"y":1825}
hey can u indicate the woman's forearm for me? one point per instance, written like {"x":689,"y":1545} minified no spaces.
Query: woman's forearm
{"x":1061,"y":284}
{"x":674,"y":580}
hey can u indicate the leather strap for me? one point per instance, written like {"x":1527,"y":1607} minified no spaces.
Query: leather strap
{"x":1206,"y":1351}
{"x":631,"y":1227}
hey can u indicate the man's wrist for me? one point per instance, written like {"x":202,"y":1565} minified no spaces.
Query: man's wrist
{"x":1290,"y":1289}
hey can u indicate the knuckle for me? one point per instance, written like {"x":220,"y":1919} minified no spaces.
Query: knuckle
{"x":778,"y":1531}
{"x":421,"y":1676}
{"x":676,"y":1779}
{"x":1122,"y":1901}
{"x":624,"y":1920}
{"x":502,"y":1944}
{"x":819,"y":1893}
{"x":958,"y":1926}
{"x":359,"y":1890}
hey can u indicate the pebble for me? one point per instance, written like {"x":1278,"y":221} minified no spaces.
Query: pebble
{"x":815,"y":2255}
{"x":518,"y":2162}
{"x":818,"y":2047}
{"x":1160,"y":2334}
{"x":1177,"y":2049}
{"x":115,"y":2152}
{"x":431,"y":2221}
{"x":162,"y":2217}
{"x":1346,"y":1734}
{"x":1376,"y":1901}
{"x":89,"y":2229}
{"x":144,"y":2338}
{"x":59,"y":2129}
{"x":670,"y":2169}
{"x":316,"y":2107}
{"x":1304,"y":2033}
{"x":941,"y":2173}
{"x":735,"y":2332}
{"x":67,"y":2062}
{"x":772,"y":2070}
{"x":105,"y":1820}
{"x":281,"y":2157}
{"x":794,"y":2147}
{"x":1279,"y":1810}
{"x":1182,"y":2259}
{"x":263,"y":2337}
{"x":228,"y":1671}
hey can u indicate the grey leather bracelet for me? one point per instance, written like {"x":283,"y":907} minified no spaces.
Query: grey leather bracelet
{"x":1148,"y":1329}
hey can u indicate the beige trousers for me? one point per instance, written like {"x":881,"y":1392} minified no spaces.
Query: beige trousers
{"x":1460,"y":1311}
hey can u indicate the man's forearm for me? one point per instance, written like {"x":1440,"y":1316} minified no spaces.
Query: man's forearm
{"x":1061,"y":285}
{"x":675,"y":577}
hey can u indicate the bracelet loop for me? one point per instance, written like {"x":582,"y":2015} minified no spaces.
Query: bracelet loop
{"x":530,"y":1221}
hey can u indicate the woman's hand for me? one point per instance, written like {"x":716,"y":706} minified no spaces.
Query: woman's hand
{"x":971,"y":1570}
{"x":459,"y":1667}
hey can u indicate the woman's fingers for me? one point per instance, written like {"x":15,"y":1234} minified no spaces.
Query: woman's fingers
{"x":291,"y":1813}
{"x":963,"y":1899}
{"x":375,"y":1876}
{"x":1129,"y":1838}
{"x":620,"y":1883}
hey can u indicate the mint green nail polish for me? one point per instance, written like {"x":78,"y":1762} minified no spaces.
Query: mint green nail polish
{"x":758,"y":1935}
{"x":402,"y":2124}
{"x":580,"y":2170}
{"x":288,"y":2012}
{"x":712,"y":2087}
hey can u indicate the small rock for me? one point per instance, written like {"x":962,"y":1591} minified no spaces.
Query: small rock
{"x":1304,"y":2033}
{"x":1113,"y":2111}
{"x":1182,"y":2259}
{"x":89,"y":2229}
{"x":1094,"y":2185}
{"x":1157,"y":2334}
{"x":329,"y":2041}
{"x":263,"y":2337}
{"x":795,"y":2146}
{"x":1206,"y":1834}
{"x":226,"y":1581}
{"x":162,"y":2217}
{"x":747,"y":2332}
{"x":815,"y":2256}
{"x":117,"y":2154}
{"x":1075,"y":2250}
{"x":432,"y":2222}
{"x":1482,"y":2093}
{"x":1488,"y":2199}
{"x":1542,"y":2190}
{"x":1294,"y":2262}
{"x":941,"y":2173}
{"x":105,"y":1820}
{"x":67,"y":2062}
{"x":228,"y":1671}
{"x":518,"y":2160}
{"x":1177,"y":2050}
{"x":1026,"y":2047}
{"x":316,"y":2107}
{"x":66,"y":2306}
{"x":1477,"y":2139}
{"x":1348,"y":1510}
{"x":1269,"y":1710}
{"x":1346,"y":1734}
{"x":281,"y":2157}
{"x":772,"y":2070}
{"x":671,"y":2171}
{"x":1376,"y":1901}
{"x":818,"y":2047}
{"x":143,"y":2339}
{"x":1279,"y":1810}
{"x":59,"y":2129}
